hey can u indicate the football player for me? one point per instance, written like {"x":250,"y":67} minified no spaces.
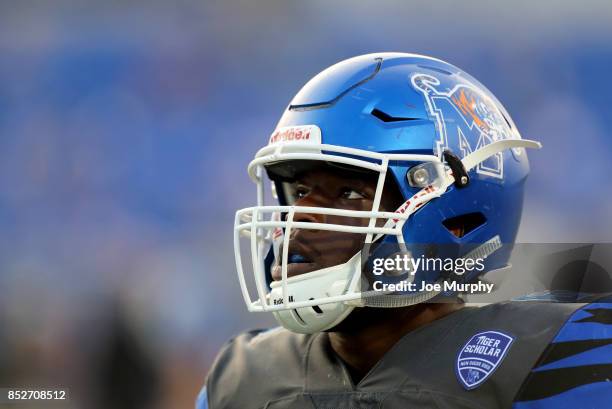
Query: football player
{"x":387,"y":154}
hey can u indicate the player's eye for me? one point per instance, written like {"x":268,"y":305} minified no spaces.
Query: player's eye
{"x":351,"y":194}
{"x":301,"y":191}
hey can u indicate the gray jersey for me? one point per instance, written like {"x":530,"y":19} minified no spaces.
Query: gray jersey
{"x":473,"y":358}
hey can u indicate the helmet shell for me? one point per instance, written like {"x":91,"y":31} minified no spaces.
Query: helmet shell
{"x":407,"y":103}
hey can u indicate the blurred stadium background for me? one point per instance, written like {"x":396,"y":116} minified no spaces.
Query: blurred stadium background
{"x":126,"y":127}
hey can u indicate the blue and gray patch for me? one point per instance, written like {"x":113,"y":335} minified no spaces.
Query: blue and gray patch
{"x":480,"y":356}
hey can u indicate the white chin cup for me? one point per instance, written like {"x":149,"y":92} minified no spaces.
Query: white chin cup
{"x":327,"y":282}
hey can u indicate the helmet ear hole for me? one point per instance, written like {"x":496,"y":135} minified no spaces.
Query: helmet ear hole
{"x":459,"y":226}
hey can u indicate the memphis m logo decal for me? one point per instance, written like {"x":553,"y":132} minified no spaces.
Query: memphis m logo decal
{"x":464,"y":114}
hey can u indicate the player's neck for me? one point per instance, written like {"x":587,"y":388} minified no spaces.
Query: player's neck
{"x":361,"y":347}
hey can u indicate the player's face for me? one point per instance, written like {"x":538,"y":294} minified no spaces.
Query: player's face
{"x":311,"y":250}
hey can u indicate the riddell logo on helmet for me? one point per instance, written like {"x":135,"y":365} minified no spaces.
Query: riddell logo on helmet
{"x":305,"y":134}
{"x":279,"y":301}
{"x":290,"y":135}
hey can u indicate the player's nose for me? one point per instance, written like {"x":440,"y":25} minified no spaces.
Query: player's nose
{"x":305,"y":216}
{"x":308,"y":217}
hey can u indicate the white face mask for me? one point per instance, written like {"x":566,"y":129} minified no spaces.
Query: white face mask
{"x":321,"y":299}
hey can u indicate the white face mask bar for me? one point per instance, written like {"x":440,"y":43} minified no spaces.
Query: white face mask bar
{"x":338,"y":284}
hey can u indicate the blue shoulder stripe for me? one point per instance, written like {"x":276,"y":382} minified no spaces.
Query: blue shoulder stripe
{"x":575,"y":370}
{"x":593,"y":396}
{"x":596,"y":356}
{"x":590,"y":322}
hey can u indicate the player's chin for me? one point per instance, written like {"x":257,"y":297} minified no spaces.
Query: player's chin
{"x":294,"y":269}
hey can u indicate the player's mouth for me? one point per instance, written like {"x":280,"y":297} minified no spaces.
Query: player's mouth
{"x":297,"y":263}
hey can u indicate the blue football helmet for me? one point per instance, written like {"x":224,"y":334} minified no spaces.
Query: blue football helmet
{"x":441,"y":136}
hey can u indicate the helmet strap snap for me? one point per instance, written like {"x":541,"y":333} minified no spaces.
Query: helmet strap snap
{"x":459,"y":173}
